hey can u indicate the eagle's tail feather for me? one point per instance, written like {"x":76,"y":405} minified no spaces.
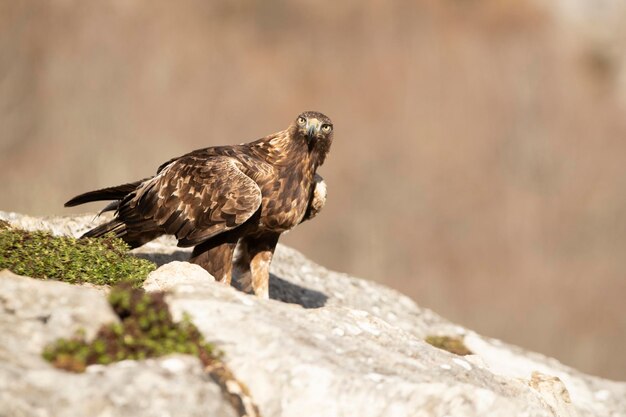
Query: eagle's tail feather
{"x":110,"y":193}
{"x":115,"y":226}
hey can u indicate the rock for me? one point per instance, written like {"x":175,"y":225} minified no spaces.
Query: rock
{"x":326,"y":344}
{"x":180,"y":275}
{"x":34,"y":313}
{"x":70,"y":225}
{"x":554,"y":392}
{"x":339,"y":361}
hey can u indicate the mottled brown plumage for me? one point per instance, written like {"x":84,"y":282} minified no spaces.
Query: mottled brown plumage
{"x":215,"y":198}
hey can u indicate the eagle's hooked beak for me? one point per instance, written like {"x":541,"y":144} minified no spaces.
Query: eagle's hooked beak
{"x":313,"y":127}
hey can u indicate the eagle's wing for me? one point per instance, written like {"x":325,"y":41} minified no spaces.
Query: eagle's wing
{"x":194,"y":198}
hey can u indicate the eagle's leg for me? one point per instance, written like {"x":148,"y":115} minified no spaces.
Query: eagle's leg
{"x":254,"y":262}
{"x":216,"y":256}
{"x":241,"y":267}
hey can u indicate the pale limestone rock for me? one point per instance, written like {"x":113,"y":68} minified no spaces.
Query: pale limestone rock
{"x":183,"y":276}
{"x":326,"y":344}
{"x":34,"y":313}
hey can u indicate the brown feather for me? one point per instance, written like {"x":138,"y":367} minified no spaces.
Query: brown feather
{"x":110,"y":193}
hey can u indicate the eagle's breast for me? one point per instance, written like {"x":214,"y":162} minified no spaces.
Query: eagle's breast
{"x":283,"y":166}
{"x":285,"y":199}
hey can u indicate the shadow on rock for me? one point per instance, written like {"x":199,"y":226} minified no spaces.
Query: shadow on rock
{"x":280,"y":289}
{"x":161,"y":259}
{"x":289,"y":292}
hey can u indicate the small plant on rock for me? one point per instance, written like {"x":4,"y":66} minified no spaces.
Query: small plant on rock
{"x":450,"y":344}
{"x":146,"y":329}
{"x":38,"y":254}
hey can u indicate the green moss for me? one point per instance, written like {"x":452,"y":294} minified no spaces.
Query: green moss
{"x":451,"y":344}
{"x":102,"y":261}
{"x":146,"y":329}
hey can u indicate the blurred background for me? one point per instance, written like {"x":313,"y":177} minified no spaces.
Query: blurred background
{"x":479,"y":162}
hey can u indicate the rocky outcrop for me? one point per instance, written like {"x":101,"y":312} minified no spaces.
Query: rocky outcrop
{"x":34,"y":313}
{"x":325,"y":344}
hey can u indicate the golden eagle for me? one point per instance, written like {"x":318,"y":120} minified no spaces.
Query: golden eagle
{"x":216,"y":198}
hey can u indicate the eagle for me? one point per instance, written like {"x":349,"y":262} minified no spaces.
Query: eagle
{"x":220,"y":198}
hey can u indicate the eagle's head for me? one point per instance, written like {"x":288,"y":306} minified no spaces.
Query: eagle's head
{"x":317,"y":129}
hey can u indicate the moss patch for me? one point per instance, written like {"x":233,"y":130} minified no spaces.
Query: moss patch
{"x":102,"y":261}
{"x":448,"y":343}
{"x":146,"y":329}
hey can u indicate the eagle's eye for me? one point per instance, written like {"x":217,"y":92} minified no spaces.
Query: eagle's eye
{"x":326,"y":128}
{"x":301,"y":121}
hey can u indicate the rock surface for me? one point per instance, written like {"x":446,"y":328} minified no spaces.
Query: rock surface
{"x":174,"y":274}
{"x":326,"y":344}
{"x":34,"y":313}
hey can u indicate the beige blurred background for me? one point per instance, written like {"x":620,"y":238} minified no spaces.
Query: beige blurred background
{"x":480,"y":145}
